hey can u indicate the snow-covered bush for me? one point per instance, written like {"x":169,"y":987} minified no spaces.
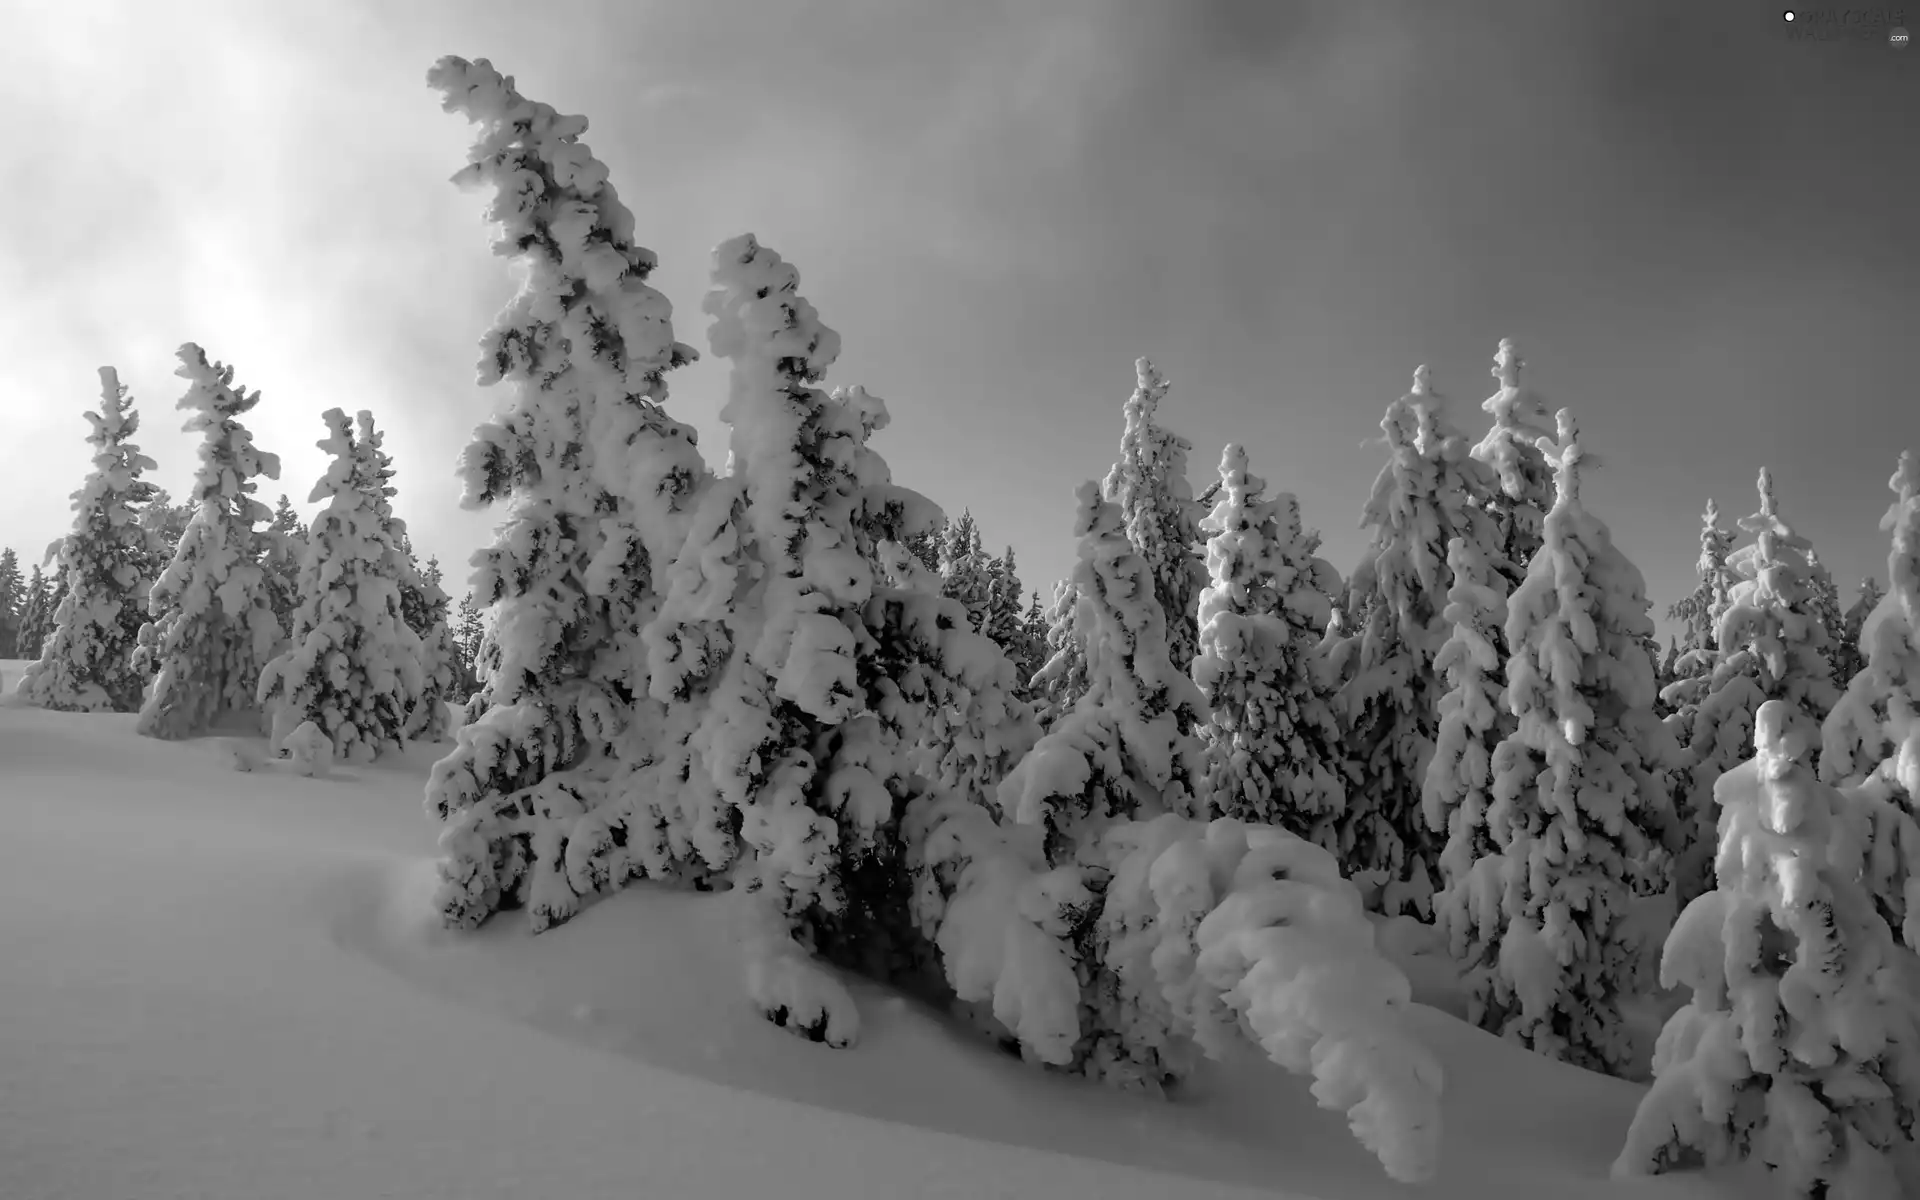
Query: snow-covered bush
{"x":213,"y":626}
{"x":107,"y":565}
{"x":537,"y":796}
{"x":309,"y":749}
{"x":1149,"y":485}
{"x":1429,"y":493}
{"x":352,"y":666}
{"x":1274,"y":755}
{"x":1579,"y":807}
{"x":1801,"y":1045}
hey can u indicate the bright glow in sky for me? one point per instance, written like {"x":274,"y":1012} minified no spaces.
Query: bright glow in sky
{"x":1697,"y":232}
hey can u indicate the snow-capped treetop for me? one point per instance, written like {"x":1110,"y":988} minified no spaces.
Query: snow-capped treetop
{"x":1902,"y":520}
{"x":1772,"y":610}
{"x":229,"y":461}
{"x":585,"y":330}
{"x":1699,"y":612}
{"x":1149,"y":483}
{"x":1511,"y":449}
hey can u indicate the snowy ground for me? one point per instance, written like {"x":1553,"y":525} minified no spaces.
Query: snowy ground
{"x":223,"y":985}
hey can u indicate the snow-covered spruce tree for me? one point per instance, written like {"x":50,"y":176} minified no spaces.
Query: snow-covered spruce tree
{"x":108,"y":563}
{"x":1128,"y":750}
{"x":1003,"y":623}
{"x":1824,"y":605}
{"x":1062,"y":678}
{"x":1579,"y":809}
{"x":1129,"y":747}
{"x":1770,"y":646}
{"x":352,"y":666}
{"x":212,"y":626}
{"x":286,"y":547}
{"x":537,"y":794}
{"x":1699,"y":613}
{"x":1801,"y":1045}
{"x":1848,"y":656}
{"x":1430,"y":492}
{"x":467,"y":632}
{"x":424,"y":606}
{"x":13,"y":603}
{"x":1871,"y":741}
{"x":1274,"y":755}
{"x":1457,"y":794}
{"x":33,"y":615}
{"x":1876,"y":725}
{"x":964,"y":570}
{"x":1524,"y":490}
{"x":824,"y":702}
{"x":1149,"y":484}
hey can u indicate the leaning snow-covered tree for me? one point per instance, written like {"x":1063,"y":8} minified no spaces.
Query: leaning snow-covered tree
{"x":108,"y":564}
{"x":352,"y":665}
{"x":1273,"y":735}
{"x":1149,"y":484}
{"x":212,"y":626}
{"x":1579,"y":810}
{"x":599,"y":483}
{"x":1430,"y":492}
{"x":1801,"y":1044}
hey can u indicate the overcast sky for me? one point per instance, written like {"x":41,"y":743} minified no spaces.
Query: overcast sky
{"x":1697,"y":231}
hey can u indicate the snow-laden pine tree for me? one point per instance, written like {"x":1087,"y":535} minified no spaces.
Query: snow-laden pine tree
{"x":1274,"y":755}
{"x":1524,"y":487}
{"x":1430,"y":492}
{"x":1457,"y":794}
{"x":1579,"y":808}
{"x":822,"y":702}
{"x":1873,"y":731}
{"x":1801,"y":1044}
{"x":13,"y":603}
{"x":1769,"y":646}
{"x":212,"y":626}
{"x":425,"y":607}
{"x":1848,"y":655}
{"x":1149,"y":484}
{"x":1825,"y":607}
{"x":286,"y":547}
{"x":1129,"y":747}
{"x":33,"y":615}
{"x":467,"y":632}
{"x":1062,"y":678}
{"x":599,"y":483}
{"x":1003,"y":622}
{"x":964,"y":569}
{"x":352,"y":665}
{"x":1700,"y":610}
{"x":107,"y":564}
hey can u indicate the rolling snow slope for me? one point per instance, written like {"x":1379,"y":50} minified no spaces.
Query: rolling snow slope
{"x":223,"y":984}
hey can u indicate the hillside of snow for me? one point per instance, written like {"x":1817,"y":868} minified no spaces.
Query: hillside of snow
{"x":227,"y":984}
